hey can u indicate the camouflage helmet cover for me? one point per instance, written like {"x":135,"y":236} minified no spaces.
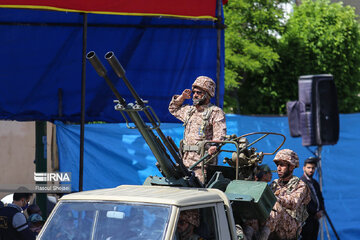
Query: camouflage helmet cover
{"x":191,"y":216}
{"x":287,"y":155}
{"x":206,"y":84}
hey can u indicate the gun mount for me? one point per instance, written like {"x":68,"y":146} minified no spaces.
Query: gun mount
{"x":243,"y":162}
{"x":244,"y":159}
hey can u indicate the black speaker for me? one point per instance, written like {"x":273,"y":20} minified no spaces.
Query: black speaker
{"x":293,"y":114}
{"x":319,"y":115}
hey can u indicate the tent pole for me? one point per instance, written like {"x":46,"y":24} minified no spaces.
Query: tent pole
{"x":318,"y":155}
{"x":83,"y":90}
{"x":218,"y":50}
{"x":41,"y":161}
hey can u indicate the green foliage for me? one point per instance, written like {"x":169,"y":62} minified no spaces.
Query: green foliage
{"x":324,"y":38}
{"x":250,"y":52}
{"x":264,"y":58}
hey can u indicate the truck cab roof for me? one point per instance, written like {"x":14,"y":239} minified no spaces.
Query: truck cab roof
{"x":178,"y":196}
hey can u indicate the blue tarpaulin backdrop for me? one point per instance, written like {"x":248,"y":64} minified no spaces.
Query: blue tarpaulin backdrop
{"x":42,"y":62}
{"x":115,"y":155}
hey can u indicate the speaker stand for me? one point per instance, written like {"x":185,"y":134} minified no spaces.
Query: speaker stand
{"x":323,"y":223}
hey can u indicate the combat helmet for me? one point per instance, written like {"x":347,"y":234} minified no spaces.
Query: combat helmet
{"x":206,"y":84}
{"x":287,"y":155}
{"x":191,"y":216}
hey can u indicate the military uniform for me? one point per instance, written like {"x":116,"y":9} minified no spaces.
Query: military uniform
{"x":289,"y":211}
{"x":206,"y":124}
{"x":201,"y":121}
{"x":192,"y":217}
{"x":292,"y":194}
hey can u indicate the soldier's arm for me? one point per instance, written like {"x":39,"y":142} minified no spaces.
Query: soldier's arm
{"x":176,"y":107}
{"x":219,"y":125}
{"x":219,"y":128}
{"x":296,"y":198}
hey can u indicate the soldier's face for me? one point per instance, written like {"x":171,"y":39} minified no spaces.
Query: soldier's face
{"x":199,"y":96}
{"x":182,"y":225}
{"x":284,"y":169}
{"x":309,"y":169}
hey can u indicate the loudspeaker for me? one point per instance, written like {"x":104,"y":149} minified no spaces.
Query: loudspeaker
{"x":293,"y":114}
{"x":319,"y":115}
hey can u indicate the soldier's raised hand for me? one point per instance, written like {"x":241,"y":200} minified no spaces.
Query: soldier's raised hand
{"x":186,"y":94}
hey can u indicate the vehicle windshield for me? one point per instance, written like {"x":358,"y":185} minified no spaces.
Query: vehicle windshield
{"x":107,"y":221}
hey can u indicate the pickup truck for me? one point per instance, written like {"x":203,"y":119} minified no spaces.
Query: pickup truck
{"x":145,"y":212}
{"x":138,"y":212}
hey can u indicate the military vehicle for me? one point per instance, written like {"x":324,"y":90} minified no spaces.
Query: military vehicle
{"x":228,"y":198}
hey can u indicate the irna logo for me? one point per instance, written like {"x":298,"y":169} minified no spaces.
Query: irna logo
{"x":49,"y":177}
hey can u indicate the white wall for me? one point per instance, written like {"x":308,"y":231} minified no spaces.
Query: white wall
{"x":17,"y":152}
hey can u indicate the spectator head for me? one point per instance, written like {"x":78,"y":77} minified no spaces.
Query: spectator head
{"x":264,"y":173}
{"x":311,"y":160}
{"x":22,"y":199}
{"x":310,"y":165}
{"x":33,"y":208}
{"x":35,"y":218}
{"x":35,"y":222}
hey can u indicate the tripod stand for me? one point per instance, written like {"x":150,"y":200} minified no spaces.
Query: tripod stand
{"x":323,"y":219}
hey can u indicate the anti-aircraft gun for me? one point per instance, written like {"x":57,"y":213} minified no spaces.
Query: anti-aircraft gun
{"x":250,"y":199}
{"x":174,"y":172}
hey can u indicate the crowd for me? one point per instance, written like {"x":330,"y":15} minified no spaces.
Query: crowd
{"x":19,"y":220}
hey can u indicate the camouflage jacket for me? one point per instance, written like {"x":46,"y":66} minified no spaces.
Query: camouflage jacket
{"x":206,"y":124}
{"x":293,"y":196}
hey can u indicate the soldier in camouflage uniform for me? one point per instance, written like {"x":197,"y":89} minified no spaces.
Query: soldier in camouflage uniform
{"x":202,"y":121}
{"x":289,"y":212}
{"x":188,"y":221}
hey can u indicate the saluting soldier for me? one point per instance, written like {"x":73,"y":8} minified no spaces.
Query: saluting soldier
{"x":202,"y":121}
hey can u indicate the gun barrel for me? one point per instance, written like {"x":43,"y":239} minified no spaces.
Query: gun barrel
{"x":95,"y":62}
{"x":115,"y":64}
{"x":120,"y":72}
{"x":102,"y":72}
{"x":167,"y":166}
